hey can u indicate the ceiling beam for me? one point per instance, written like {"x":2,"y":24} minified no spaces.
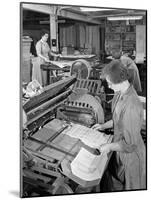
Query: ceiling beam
{"x":51,"y":10}
{"x":77,"y":16}
{"x":38,"y":8}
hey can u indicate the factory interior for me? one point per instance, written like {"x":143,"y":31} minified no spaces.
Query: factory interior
{"x":68,"y":95}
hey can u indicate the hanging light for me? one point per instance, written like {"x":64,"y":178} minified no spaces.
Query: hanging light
{"x":124,"y":18}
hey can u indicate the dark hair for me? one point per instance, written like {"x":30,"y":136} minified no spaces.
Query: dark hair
{"x":116,"y":71}
{"x":43,"y":32}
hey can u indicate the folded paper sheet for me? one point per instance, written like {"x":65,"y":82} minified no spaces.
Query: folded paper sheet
{"x":88,"y":166}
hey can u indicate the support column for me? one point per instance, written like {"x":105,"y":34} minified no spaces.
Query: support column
{"x":53,"y":31}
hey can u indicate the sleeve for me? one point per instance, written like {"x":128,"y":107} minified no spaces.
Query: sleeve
{"x":38,"y":48}
{"x":134,"y":77}
{"x":131,"y":121}
{"x":131,"y":74}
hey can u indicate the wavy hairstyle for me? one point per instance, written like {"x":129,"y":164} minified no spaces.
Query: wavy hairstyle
{"x":116,"y":71}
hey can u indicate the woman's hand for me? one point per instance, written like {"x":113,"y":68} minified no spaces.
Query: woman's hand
{"x":98,"y":127}
{"x":57,"y":55}
{"x":105,"y":148}
{"x":47,"y":60}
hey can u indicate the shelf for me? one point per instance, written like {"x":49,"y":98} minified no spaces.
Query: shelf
{"x":120,"y":35}
{"x":129,"y":32}
{"x":112,"y":32}
{"x":113,"y":40}
{"x":129,"y":41}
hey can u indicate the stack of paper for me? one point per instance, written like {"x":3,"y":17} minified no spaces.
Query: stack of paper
{"x":87,"y":135}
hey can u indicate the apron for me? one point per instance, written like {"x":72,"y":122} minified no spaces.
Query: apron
{"x":37,"y":73}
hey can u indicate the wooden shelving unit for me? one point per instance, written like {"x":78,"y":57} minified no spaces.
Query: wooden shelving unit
{"x":121,"y":36}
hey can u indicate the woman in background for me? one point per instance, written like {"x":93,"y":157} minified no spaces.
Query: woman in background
{"x":127,"y":165}
{"x":134,"y":77}
{"x":43,"y":55}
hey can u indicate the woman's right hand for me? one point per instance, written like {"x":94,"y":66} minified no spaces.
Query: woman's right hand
{"x":47,"y":60}
{"x":98,"y":127}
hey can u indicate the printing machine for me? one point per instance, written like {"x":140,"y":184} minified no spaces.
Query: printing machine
{"x":45,"y":150}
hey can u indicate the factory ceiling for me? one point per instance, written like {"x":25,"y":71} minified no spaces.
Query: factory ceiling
{"x":35,"y":12}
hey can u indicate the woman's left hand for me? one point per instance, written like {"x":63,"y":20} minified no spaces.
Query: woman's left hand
{"x":105,"y":148}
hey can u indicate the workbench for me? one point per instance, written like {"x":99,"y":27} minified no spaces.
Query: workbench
{"x":76,"y":57}
{"x":57,"y":66}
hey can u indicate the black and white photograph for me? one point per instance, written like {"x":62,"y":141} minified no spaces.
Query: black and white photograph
{"x":83,"y":99}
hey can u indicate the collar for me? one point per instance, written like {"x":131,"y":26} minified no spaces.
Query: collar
{"x":127,"y":92}
{"x":43,"y":41}
{"x":117,"y":98}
